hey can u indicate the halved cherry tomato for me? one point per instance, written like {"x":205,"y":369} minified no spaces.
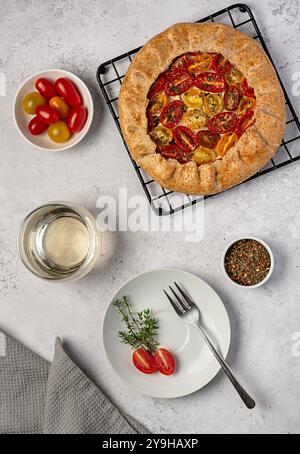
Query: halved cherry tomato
{"x":245,"y":105}
{"x":47,"y":114}
{"x":193,"y":97}
{"x":157,"y":102}
{"x":204,"y":155}
{"x":232,"y":97}
{"x":227,"y":141}
{"x":172,"y":151}
{"x":68,"y":91}
{"x":208,"y":139}
{"x":213,"y":104}
{"x":31,"y":101}
{"x":223,"y":64}
{"x":172,"y":113}
{"x":246,"y":90}
{"x":77,"y":118}
{"x":144,"y":361}
{"x":183,"y":60}
{"x":201,"y":63}
{"x":211,"y":82}
{"x":244,"y":123}
{"x":36,"y":126}
{"x":59,"y":132}
{"x":233,"y":76}
{"x":158,"y":85}
{"x":185,"y":139}
{"x":60,"y":106}
{"x":222,"y":122}
{"x":194,"y":119}
{"x":164,"y":361}
{"x":161,"y":135}
{"x":45,"y":87}
{"x":152,"y":120}
{"x":178,"y":81}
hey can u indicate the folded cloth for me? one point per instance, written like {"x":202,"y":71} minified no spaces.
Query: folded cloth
{"x":38,"y":397}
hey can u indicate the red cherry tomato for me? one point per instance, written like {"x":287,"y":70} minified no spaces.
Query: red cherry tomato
{"x":77,"y":118}
{"x":144,"y":361}
{"x":158,"y":85}
{"x":211,"y":82}
{"x":247,"y":91}
{"x":232,"y":97}
{"x":185,"y":139}
{"x":164,"y":361}
{"x":171,"y":114}
{"x":172,"y":151}
{"x":68,"y":91}
{"x":45,"y":87}
{"x":47,"y":114}
{"x":244,"y":122}
{"x":37,"y":126}
{"x":222,"y":122}
{"x":178,"y":81}
{"x":208,"y":139}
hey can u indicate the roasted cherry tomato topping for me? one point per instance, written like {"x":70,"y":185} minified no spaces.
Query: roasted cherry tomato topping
{"x":222,"y":122}
{"x":233,"y":76}
{"x":157,"y":102}
{"x":68,"y":91}
{"x":246,"y":90}
{"x":59,"y":132}
{"x":161,"y":135}
{"x":227,"y":141}
{"x":178,"y":81}
{"x":244,"y":122}
{"x":232,"y":97}
{"x":144,"y":361}
{"x":185,"y":139}
{"x":212,"y":82}
{"x":193,"y":97}
{"x":47,"y":114}
{"x":158,"y":85}
{"x":164,"y":361}
{"x":77,"y":118}
{"x":32,"y":101}
{"x":45,"y":87}
{"x":60,"y":106}
{"x":194,"y":119}
{"x":183,"y":60}
{"x":213,"y":104}
{"x":36,"y":126}
{"x":223,"y":64}
{"x":152,"y":120}
{"x":172,"y":151}
{"x":204,"y":155}
{"x":208,"y":139}
{"x":172,"y":113}
{"x":200,"y":63}
{"x":245,"y":105}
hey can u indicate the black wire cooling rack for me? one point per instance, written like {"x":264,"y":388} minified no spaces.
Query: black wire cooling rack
{"x":111,"y":73}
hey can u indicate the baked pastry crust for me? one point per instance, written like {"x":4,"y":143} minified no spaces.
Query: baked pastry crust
{"x":253,"y":150}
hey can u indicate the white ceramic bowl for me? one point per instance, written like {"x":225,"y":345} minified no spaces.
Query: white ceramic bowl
{"x":22,"y":118}
{"x":248,"y":237}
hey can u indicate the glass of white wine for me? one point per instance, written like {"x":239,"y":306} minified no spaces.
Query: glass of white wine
{"x":59,"y":241}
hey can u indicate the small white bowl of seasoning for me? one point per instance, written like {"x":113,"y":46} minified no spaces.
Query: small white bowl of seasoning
{"x":247,"y":262}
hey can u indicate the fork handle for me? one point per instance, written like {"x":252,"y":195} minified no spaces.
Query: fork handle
{"x":248,"y":401}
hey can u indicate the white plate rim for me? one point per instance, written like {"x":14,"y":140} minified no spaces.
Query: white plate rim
{"x":227,"y":347}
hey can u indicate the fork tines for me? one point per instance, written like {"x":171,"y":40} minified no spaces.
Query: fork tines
{"x":180,"y":304}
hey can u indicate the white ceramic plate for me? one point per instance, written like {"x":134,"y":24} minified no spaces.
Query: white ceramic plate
{"x":196,"y":366}
{"x":22,"y":118}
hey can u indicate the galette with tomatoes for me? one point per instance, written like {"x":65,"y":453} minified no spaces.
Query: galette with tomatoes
{"x":201,"y":108}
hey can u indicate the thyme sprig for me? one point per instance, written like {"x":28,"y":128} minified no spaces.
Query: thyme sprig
{"x":141,"y":327}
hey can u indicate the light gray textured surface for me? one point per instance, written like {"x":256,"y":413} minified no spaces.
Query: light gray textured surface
{"x":78,"y":36}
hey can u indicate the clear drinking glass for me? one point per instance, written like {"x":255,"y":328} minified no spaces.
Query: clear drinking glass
{"x":59,"y":241}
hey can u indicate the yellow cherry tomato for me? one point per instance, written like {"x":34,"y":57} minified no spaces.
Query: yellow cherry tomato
{"x":60,"y":106}
{"x":200,"y":63}
{"x":213,"y":104}
{"x":161,"y":135}
{"x":234,"y":76}
{"x":245,"y":105}
{"x":204,"y":155}
{"x":59,"y":132}
{"x":193,"y":97}
{"x":157,"y":102}
{"x":194,"y":119}
{"x":32,"y":100}
{"x":226,"y":142}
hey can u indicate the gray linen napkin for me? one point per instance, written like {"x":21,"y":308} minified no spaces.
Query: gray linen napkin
{"x":38,"y":397}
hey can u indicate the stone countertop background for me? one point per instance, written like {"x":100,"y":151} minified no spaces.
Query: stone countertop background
{"x":78,"y":36}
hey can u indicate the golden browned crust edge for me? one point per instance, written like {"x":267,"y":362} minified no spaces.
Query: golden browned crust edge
{"x":254,"y":149}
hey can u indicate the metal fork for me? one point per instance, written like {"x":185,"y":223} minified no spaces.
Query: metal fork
{"x":190,"y":313}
